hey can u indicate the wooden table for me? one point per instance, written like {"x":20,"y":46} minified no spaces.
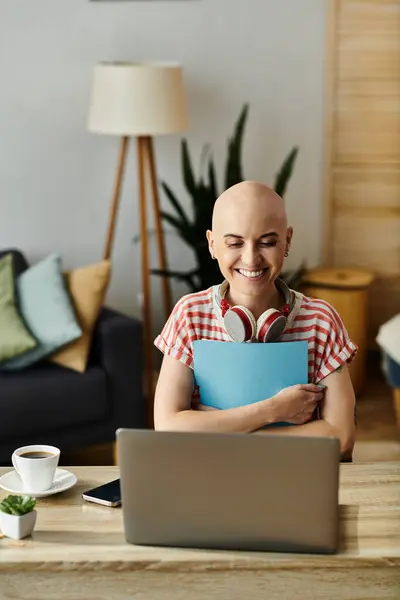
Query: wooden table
{"x":78,"y":552}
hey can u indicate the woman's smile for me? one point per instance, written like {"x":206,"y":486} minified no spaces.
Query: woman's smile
{"x":252,"y":276}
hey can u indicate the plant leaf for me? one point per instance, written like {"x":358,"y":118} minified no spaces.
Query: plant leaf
{"x":205,"y":204}
{"x":174,"y":201}
{"x":212,"y":179}
{"x":283,"y":176}
{"x":187,"y":170}
{"x":27,"y":503}
{"x":184,"y":230}
{"x":5,"y":507}
{"x":233,"y":172}
{"x":204,"y":151}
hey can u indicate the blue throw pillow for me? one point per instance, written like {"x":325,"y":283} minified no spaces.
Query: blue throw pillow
{"x":47,"y":310}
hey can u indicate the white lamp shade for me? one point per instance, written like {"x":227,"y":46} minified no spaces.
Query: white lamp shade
{"x":137,"y":99}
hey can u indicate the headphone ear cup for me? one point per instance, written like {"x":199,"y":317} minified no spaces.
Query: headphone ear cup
{"x":270,"y":326}
{"x":240,"y":324}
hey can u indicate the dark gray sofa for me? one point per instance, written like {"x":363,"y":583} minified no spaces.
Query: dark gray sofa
{"x":50,"y":404}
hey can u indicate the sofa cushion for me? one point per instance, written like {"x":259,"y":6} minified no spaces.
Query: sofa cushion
{"x":87,"y":287}
{"x":19,"y":260}
{"x":47,"y":397}
{"x":47,"y":310}
{"x":15,"y":339}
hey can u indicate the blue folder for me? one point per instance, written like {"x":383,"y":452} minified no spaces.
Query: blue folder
{"x":231,"y":374}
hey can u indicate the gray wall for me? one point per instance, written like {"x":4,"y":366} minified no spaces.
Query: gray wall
{"x":56,"y":178}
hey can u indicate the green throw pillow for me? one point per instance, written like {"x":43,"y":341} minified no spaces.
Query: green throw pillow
{"x":15,"y":339}
{"x":47,"y":309}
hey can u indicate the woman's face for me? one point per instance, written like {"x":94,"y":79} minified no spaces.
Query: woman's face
{"x":250,"y":245}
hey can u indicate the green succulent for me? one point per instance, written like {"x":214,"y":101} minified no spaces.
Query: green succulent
{"x":203,"y":192}
{"x":17,"y":505}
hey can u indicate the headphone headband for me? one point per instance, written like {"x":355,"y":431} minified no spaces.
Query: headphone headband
{"x":240,"y":323}
{"x":280,"y":284}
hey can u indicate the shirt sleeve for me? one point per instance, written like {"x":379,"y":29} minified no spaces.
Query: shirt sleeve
{"x":174,"y":339}
{"x":339,"y":348}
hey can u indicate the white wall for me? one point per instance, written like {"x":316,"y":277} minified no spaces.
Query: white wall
{"x":56,"y":178}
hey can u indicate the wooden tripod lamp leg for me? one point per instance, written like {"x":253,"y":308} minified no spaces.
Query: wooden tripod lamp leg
{"x":116,"y":196}
{"x":162,"y":258}
{"x":147,"y":329}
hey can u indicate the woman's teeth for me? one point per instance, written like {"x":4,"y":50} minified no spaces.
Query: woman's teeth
{"x":250,"y":274}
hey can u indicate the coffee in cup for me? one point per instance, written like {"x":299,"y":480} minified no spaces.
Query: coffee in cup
{"x":36,"y":454}
{"x":36,"y":465}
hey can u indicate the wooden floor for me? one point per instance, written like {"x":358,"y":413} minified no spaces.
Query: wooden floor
{"x":378,"y":437}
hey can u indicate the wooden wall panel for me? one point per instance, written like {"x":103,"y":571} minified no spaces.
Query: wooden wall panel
{"x":368,"y":123}
{"x":359,"y":17}
{"x":363,"y":148}
{"x":368,"y":41}
{"x":360,"y":187}
{"x":367,"y":241}
{"x":365,"y":135}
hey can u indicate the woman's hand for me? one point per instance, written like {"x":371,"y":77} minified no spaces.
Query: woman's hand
{"x":296,"y":404}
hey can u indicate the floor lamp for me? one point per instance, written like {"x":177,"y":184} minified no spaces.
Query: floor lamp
{"x":139,"y":100}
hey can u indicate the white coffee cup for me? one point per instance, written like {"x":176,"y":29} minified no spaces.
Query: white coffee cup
{"x":36,"y":465}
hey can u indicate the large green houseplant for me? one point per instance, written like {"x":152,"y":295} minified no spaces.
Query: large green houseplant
{"x":203,"y":192}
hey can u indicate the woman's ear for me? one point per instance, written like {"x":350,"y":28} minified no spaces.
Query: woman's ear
{"x":289,"y":235}
{"x":210,"y":243}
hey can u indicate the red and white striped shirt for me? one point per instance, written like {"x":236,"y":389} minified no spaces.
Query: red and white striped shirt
{"x":198,"y":316}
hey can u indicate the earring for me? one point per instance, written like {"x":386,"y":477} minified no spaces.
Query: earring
{"x":213,"y":256}
{"x":286,"y":253}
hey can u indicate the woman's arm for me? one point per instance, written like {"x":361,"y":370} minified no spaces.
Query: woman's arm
{"x":337,"y":412}
{"x":172,"y":405}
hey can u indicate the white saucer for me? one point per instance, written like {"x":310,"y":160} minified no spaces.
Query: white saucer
{"x":63,"y":480}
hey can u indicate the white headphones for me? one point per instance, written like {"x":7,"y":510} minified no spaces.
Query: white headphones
{"x":241,"y":325}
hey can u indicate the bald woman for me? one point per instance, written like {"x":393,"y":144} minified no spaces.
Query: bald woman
{"x":250,"y":239}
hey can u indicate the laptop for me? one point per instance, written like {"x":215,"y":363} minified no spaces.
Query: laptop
{"x":234,"y":491}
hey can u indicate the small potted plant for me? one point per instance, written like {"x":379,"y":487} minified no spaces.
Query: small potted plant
{"x":17,"y":516}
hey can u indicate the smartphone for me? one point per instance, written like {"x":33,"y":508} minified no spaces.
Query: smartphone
{"x":108,"y":494}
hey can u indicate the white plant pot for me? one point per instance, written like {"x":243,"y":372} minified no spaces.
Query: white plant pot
{"x":17,"y":527}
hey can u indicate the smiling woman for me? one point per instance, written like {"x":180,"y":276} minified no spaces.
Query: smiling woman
{"x":250,"y":238}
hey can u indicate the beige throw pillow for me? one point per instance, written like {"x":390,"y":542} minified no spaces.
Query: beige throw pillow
{"x":87,"y":287}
